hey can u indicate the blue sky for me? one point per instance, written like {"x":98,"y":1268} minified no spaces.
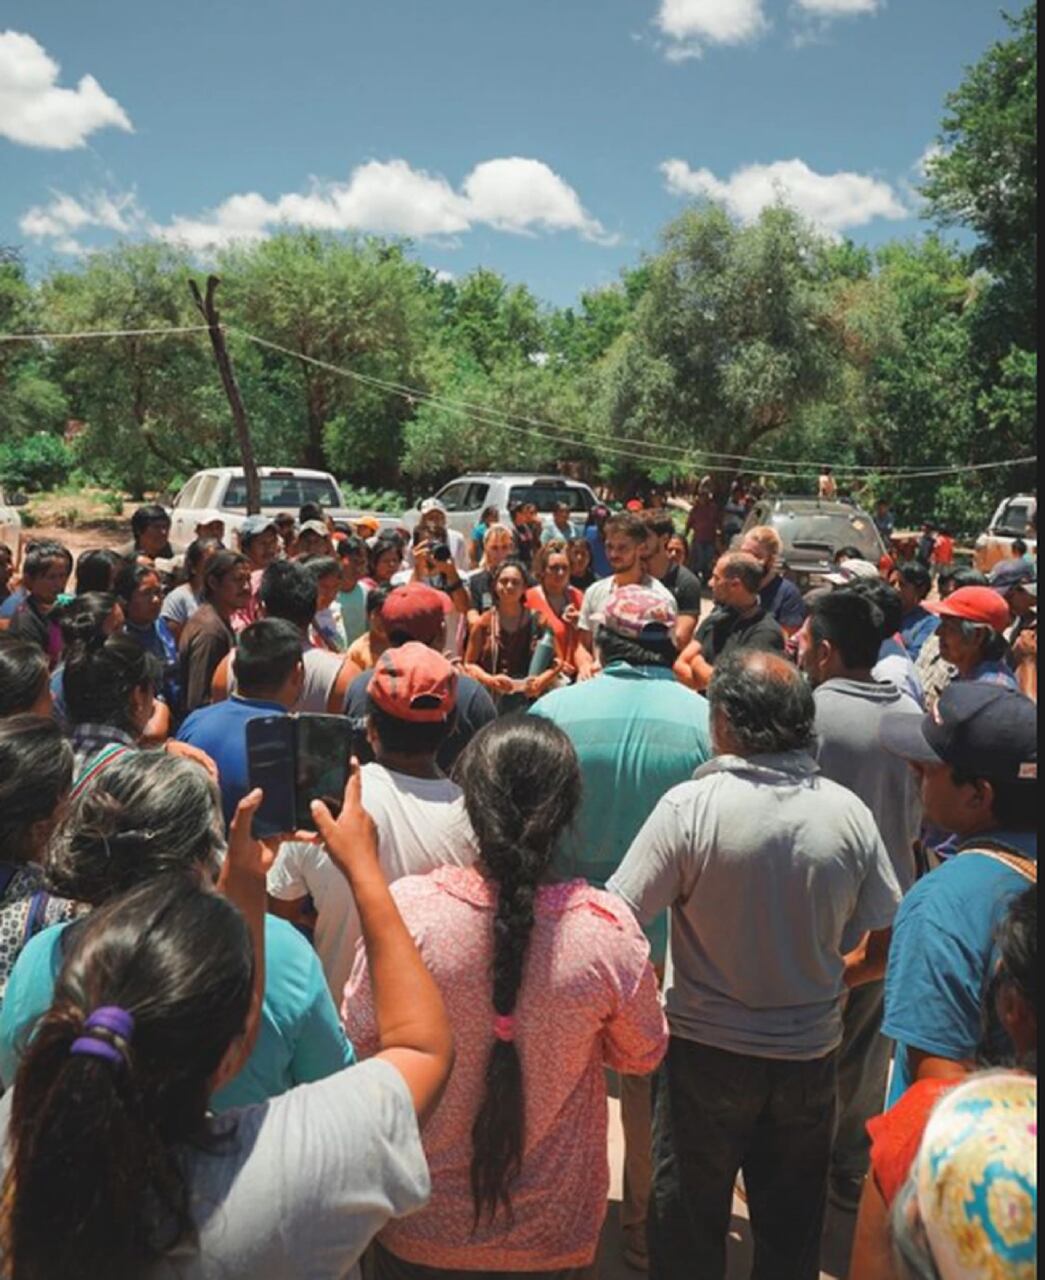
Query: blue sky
{"x":549,"y":140}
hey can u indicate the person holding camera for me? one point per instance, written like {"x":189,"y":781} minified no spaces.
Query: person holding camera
{"x":435,"y":566}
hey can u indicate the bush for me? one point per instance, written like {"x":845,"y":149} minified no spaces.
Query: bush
{"x":386,"y":501}
{"x":38,"y":462}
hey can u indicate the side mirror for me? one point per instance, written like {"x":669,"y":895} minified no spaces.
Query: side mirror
{"x":18,"y":500}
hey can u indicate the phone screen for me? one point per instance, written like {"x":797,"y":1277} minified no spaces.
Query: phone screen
{"x":270,"y":766}
{"x":324,"y":745}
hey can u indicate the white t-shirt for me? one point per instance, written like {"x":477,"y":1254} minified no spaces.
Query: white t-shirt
{"x":599,"y":594}
{"x":304,"y":1182}
{"x":180,"y":605}
{"x":421,"y":824}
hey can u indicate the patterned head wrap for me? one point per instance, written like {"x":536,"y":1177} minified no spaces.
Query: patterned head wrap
{"x":976,"y":1180}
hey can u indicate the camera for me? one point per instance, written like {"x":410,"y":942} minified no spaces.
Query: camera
{"x":441,"y":553}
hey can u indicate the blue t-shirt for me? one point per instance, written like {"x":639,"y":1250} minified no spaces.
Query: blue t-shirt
{"x":10,"y":606}
{"x":941,"y":956}
{"x":221,"y":731}
{"x":300,"y":1038}
{"x":638,"y":734}
{"x":915,"y":628}
{"x":599,"y":562}
{"x":783,"y":601}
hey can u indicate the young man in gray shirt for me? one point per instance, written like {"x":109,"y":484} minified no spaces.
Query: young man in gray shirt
{"x":780,"y":890}
{"x":838,"y":648}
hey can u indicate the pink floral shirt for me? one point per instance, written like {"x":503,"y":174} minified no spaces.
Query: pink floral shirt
{"x":589,"y":999}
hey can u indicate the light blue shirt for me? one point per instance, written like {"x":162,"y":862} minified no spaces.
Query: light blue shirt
{"x":300,"y":1038}
{"x":638,"y":733}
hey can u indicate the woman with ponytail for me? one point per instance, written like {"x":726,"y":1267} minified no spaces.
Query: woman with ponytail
{"x":546,"y":984}
{"x":112,"y":1166}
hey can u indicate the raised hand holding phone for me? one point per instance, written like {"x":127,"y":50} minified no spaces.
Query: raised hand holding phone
{"x":351,"y":838}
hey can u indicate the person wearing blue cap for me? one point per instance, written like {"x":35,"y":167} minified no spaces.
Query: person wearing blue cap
{"x":977,"y":758}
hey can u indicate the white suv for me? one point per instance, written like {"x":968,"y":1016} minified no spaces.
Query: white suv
{"x":220,"y":493}
{"x":10,"y":521}
{"x":467,"y":497}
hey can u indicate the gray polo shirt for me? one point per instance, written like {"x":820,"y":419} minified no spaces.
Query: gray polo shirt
{"x":768,"y":869}
{"x":848,"y":717}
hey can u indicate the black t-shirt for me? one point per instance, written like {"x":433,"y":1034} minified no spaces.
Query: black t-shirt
{"x":480,"y":588}
{"x":475,"y":708}
{"x":724,"y":631}
{"x":685,"y":587}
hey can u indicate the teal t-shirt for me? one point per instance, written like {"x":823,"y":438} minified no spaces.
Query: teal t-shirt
{"x":300,"y":1038}
{"x":638,"y":733}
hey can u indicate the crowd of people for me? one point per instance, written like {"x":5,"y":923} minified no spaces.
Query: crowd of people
{"x":626,"y":811}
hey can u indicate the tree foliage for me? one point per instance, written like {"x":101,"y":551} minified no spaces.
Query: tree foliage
{"x":728,"y":346}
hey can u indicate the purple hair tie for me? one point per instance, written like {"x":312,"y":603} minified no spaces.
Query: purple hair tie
{"x":116,"y":1026}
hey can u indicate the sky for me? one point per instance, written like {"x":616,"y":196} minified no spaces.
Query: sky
{"x":550,"y":140}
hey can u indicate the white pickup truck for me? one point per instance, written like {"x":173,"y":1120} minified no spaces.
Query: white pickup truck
{"x":11,"y":520}
{"x":220,"y":493}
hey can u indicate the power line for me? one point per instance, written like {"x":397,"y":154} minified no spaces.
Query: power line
{"x":492,"y":418}
{"x":552,"y":433}
{"x":101,"y":333}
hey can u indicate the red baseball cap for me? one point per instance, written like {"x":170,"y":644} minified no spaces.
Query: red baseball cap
{"x":414,"y":683}
{"x":976,"y":604}
{"x":417,"y":610}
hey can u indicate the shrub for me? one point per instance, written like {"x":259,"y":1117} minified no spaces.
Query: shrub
{"x":38,"y":462}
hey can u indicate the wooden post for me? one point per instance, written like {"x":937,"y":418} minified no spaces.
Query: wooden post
{"x":209,"y":312}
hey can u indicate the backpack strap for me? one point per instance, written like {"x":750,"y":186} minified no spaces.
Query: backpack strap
{"x":1025,"y":867}
{"x":96,"y":764}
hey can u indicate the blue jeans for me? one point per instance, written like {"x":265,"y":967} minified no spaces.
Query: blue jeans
{"x":715,"y":1113}
{"x":702,"y":559}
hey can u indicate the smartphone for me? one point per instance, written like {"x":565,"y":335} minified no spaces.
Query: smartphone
{"x":296,"y":759}
{"x":270,"y":766}
{"x":323,"y":750}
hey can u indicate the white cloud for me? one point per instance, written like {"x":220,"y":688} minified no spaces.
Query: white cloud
{"x":834,"y":202}
{"x":839,"y":8}
{"x":63,"y":217}
{"x":36,"y":112}
{"x":514,"y":195}
{"x":690,"y":24}
{"x":522,"y":195}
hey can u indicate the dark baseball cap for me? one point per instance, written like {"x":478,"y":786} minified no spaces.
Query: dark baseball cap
{"x":1013,"y":573}
{"x":983,"y":730}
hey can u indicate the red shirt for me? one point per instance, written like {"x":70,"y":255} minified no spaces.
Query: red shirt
{"x":564,"y":634}
{"x":704,"y":521}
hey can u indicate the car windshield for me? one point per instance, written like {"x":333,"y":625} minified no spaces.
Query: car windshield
{"x":286,"y":493}
{"x":547,"y":497}
{"x":811,"y":531}
{"x":1014,"y":520}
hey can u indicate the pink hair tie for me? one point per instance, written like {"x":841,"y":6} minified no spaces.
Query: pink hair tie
{"x":504,"y":1027}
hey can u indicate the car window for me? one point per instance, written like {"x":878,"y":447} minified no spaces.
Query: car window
{"x":546,"y":497}
{"x":285,"y":493}
{"x":475,"y":498}
{"x":187,"y":497}
{"x":1013,"y":520}
{"x":207,"y":491}
{"x":453,"y":496}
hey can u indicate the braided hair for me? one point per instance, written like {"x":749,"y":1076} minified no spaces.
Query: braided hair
{"x":522,"y":788}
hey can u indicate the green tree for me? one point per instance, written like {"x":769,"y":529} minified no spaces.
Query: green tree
{"x":493,"y":323}
{"x":985,"y":175}
{"x":361,"y":305}
{"x":30,"y":398}
{"x":730,"y":340}
{"x":150,"y":404}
